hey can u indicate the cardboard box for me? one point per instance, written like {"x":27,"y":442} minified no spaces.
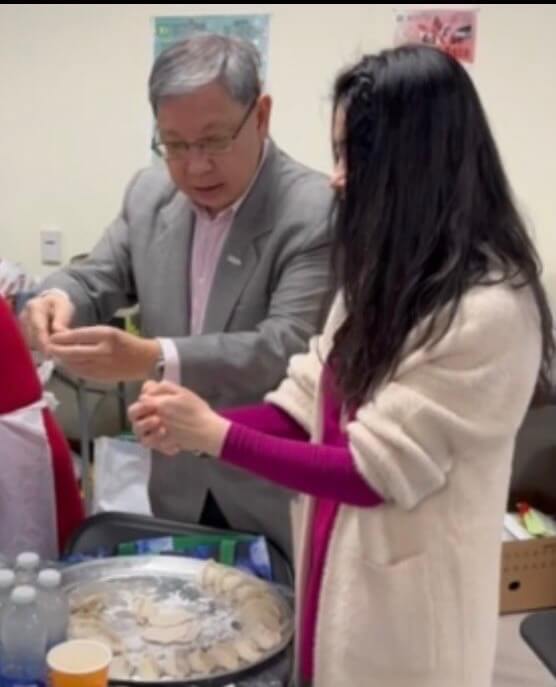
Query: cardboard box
{"x":528,"y":575}
{"x":528,"y":579}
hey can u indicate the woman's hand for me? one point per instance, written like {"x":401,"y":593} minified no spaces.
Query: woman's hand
{"x":171,"y":418}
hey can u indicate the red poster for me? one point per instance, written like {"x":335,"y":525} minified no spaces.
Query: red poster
{"x":454,"y":31}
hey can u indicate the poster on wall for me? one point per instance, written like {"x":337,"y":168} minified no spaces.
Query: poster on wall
{"x":252,"y":27}
{"x":454,"y":31}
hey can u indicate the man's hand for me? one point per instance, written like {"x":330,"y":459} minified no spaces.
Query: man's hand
{"x":104,"y":353}
{"x":45,"y":315}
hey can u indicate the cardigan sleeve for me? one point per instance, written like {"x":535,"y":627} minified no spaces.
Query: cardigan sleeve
{"x":457,"y":401}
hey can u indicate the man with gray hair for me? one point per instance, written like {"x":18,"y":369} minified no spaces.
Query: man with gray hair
{"x":225,"y":248}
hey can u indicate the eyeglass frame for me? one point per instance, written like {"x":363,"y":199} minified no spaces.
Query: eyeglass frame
{"x":185,"y":147}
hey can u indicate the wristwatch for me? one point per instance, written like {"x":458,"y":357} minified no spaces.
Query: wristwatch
{"x":159,"y":368}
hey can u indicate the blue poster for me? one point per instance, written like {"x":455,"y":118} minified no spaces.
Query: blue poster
{"x":252,"y":27}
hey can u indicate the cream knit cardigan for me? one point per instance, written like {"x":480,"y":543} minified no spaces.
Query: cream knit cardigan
{"x":410,"y":589}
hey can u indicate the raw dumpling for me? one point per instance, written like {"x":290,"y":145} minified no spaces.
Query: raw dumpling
{"x":265,"y":638}
{"x":119,"y":668}
{"x":169,"y":635}
{"x":168,"y":618}
{"x":225,"y":656}
{"x":201,"y":662}
{"x":148,"y":669}
{"x":247,"y":650}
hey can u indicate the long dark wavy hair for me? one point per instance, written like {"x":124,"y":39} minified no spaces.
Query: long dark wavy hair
{"x":427,"y":213}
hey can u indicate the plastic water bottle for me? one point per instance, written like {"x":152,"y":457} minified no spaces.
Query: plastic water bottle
{"x":53,"y":605}
{"x":26,"y":567}
{"x":23,"y":635}
{"x":7,"y":582}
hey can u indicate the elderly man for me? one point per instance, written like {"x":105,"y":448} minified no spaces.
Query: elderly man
{"x":225,"y":248}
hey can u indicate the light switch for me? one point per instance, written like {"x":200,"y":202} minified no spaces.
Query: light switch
{"x":51,"y":247}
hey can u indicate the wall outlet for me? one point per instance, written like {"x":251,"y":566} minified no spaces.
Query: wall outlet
{"x":51,"y":247}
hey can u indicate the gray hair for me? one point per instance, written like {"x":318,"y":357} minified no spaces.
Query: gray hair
{"x":202,"y":59}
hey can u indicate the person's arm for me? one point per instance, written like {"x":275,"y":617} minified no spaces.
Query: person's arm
{"x":168,"y":417}
{"x":103,"y":282}
{"x":20,"y":385}
{"x":89,"y":293}
{"x":315,"y":469}
{"x":266,"y":418}
{"x":454,"y":406}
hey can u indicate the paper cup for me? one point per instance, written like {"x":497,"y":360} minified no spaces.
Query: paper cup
{"x":79,"y":663}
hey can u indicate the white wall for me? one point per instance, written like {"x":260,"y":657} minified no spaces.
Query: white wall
{"x":75,"y":121}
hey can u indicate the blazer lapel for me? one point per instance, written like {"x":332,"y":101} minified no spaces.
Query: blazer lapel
{"x":174,"y":252}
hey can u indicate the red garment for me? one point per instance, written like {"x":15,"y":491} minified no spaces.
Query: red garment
{"x":20,"y":387}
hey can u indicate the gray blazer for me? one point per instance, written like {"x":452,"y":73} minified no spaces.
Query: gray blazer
{"x":268,"y":296}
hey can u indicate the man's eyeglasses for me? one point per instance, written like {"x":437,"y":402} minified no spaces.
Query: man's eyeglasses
{"x":211,"y":146}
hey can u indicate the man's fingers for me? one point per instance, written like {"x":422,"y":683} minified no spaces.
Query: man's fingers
{"x":82,"y":336}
